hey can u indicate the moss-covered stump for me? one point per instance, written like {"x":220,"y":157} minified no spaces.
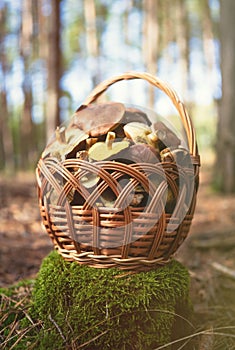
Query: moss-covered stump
{"x":86,"y":308}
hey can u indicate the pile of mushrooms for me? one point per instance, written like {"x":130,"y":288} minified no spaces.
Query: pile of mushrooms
{"x":111,"y":131}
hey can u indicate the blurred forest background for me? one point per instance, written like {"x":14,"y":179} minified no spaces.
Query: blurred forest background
{"x":53,"y":52}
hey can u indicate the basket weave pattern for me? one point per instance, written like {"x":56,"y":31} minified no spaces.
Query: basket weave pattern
{"x":136,"y":238}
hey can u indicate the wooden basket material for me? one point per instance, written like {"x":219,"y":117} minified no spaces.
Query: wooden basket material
{"x":123,"y":236}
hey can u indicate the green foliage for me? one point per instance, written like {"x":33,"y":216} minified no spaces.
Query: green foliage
{"x":106,"y":308}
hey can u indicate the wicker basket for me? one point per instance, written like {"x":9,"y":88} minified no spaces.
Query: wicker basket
{"x":124,"y":236}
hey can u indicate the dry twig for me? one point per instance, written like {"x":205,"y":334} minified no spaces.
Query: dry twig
{"x":224,"y":269}
{"x":57,"y":327}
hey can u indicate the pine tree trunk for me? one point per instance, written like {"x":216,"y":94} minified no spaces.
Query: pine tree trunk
{"x":6,"y":144}
{"x":208,"y":44}
{"x":6,"y":147}
{"x":225,"y":169}
{"x":91,"y":39}
{"x":27,"y":146}
{"x":54,"y":66}
{"x":151,"y":41}
{"x":167,"y":32}
{"x":182,"y":31}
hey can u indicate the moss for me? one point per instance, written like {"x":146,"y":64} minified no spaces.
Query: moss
{"x":70,"y":306}
{"x":106,"y":308}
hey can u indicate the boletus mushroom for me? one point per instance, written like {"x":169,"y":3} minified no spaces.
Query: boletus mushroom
{"x":142,"y":153}
{"x":180,"y":156}
{"x":166,"y":137}
{"x":135,"y":115}
{"x":140,"y":133}
{"x":108,"y":149}
{"x":98,"y":119}
{"x":64,"y":143}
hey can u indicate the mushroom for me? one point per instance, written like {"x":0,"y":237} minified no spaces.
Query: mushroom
{"x":90,"y":141}
{"x":179,"y":155}
{"x":165,"y":136}
{"x":138,"y":196}
{"x":182,"y":157}
{"x":108,"y":198}
{"x":98,"y":119}
{"x":167,"y":155}
{"x":108,"y":149}
{"x":140,"y":133}
{"x":90,"y":180}
{"x":135,"y":115}
{"x":82,"y":155}
{"x":142,"y":153}
{"x":64,"y":143}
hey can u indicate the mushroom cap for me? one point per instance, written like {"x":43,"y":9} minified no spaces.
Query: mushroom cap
{"x":73,"y":138}
{"x":142,"y":153}
{"x":135,"y":130}
{"x":166,"y":135}
{"x":101,"y":151}
{"x":135,"y":115}
{"x":98,"y":119}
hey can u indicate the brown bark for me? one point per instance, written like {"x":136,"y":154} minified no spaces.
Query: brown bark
{"x":225,"y":146}
{"x":90,"y":21}
{"x":167,"y":32}
{"x":151,"y":41}
{"x":54,"y":67}
{"x":7,"y":152}
{"x":208,"y":45}
{"x":92,"y":45}
{"x":27,"y":145}
{"x":182,"y":31}
{"x":6,"y":145}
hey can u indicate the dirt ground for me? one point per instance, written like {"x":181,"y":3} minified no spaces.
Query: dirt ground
{"x":208,"y":251}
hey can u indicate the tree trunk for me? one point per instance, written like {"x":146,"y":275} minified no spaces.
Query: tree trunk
{"x":150,"y":41}
{"x":208,"y":44}
{"x":54,"y":66}
{"x":182,"y":31}
{"x":225,"y":168}
{"x":6,"y":147}
{"x":27,"y":145}
{"x":91,"y":39}
{"x":6,"y":144}
{"x":167,"y":32}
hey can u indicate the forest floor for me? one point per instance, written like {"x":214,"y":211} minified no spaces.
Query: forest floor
{"x":208,"y":251}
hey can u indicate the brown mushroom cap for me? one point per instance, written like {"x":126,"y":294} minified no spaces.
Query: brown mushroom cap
{"x":98,"y":119}
{"x":142,"y":153}
{"x":135,"y":115}
{"x":61,"y":148}
{"x":166,"y":135}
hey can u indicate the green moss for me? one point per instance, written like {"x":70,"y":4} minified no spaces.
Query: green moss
{"x":105,"y":308}
{"x":70,"y":306}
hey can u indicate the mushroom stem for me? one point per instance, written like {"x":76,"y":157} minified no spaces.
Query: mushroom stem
{"x":91,"y":141}
{"x":83,"y":155}
{"x":109,"y":139}
{"x":60,"y":134}
{"x":152,"y":137}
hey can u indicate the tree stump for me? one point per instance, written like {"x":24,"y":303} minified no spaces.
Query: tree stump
{"x":86,"y":308}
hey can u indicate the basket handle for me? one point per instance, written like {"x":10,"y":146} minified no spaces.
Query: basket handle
{"x":162,"y":85}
